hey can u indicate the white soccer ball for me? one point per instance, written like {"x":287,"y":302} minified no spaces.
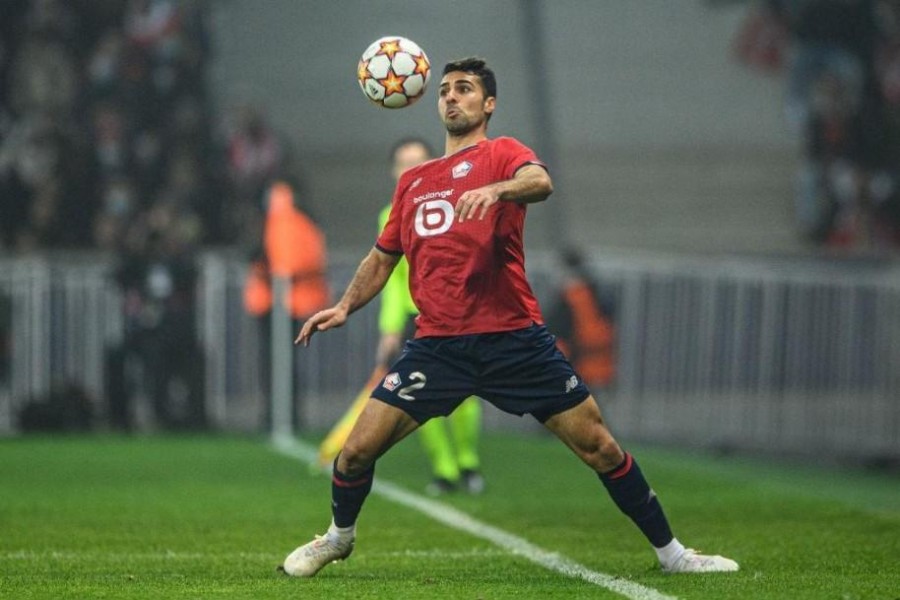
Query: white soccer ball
{"x":393,"y":72}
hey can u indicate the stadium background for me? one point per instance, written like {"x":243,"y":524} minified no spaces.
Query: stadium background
{"x":756,"y":294}
{"x":676,"y":166}
{"x":655,"y":131}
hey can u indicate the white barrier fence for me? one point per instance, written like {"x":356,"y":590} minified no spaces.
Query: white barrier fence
{"x":797,"y":356}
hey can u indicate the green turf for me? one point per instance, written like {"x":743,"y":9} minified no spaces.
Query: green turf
{"x":104,"y":517}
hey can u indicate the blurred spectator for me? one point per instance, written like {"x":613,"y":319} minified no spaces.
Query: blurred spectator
{"x":582,"y":320}
{"x":159,"y":355}
{"x":842,"y":99}
{"x":45,"y":196}
{"x":293,"y":247}
{"x":255,"y":155}
{"x":829,"y":37}
{"x":254,"y":152}
{"x":762,"y":41}
{"x":137,"y":69}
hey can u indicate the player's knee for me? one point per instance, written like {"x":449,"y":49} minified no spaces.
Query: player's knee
{"x":354,"y":460}
{"x":602,"y":454}
{"x":610,"y":454}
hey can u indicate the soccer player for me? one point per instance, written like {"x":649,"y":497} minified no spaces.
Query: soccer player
{"x":453,"y":464}
{"x":459,"y":222}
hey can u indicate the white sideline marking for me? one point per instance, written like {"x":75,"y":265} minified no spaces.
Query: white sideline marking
{"x":452,"y":517}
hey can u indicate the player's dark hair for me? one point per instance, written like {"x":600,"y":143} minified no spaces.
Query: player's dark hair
{"x":475,"y":66}
{"x":410,"y":140}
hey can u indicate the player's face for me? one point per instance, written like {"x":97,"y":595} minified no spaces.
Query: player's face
{"x":408,"y":156}
{"x":462,"y":103}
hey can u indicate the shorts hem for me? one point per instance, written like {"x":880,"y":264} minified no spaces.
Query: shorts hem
{"x":418,"y":417}
{"x":543,"y":415}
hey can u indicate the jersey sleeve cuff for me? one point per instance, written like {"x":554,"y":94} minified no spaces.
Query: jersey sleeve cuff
{"x":388,"y":250}
{"x":530,"y":162}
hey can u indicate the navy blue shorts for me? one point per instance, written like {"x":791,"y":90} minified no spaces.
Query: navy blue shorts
{"x":519,"y":372}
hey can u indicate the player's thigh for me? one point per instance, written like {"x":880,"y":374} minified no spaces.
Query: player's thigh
{"x":583,"y":429}
{"x":378,"y":427}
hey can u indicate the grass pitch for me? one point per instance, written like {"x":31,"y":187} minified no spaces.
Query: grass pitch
{"x":211,"y":517}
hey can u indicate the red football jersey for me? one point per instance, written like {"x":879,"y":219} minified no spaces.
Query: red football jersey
{"x":464,"y":277}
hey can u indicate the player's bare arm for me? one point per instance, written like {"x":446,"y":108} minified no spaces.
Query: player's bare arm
{"x":530,"y":184}
{"x":370,"y":277}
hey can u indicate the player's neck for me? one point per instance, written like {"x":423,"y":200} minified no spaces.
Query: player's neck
{"x":455,"y":143}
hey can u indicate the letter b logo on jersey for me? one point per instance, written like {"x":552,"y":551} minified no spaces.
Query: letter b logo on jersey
{"x":434,"y":217}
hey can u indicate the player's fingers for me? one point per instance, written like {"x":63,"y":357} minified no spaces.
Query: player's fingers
{"x":479,"y":207}
{"x":305,"y":333}
{"x":309,"y":328}
{"x":462,"y":207}
{"x":459,"y":205}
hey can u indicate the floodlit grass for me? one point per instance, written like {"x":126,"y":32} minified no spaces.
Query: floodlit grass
{"x":212,"y":517}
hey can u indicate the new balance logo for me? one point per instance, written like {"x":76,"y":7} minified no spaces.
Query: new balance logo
{"x":571,"y":383}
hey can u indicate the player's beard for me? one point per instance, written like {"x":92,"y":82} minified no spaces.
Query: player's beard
{"x":461,"y":124}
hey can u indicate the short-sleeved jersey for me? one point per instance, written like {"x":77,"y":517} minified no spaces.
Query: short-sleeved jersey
{"x":466,"y":277}
{"x":397,"y":305}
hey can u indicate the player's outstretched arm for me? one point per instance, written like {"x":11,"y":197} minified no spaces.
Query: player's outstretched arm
{"x":530,"y":184}
{"x":370,"y":277}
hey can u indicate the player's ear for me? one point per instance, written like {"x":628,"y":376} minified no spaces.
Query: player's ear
{"x":490,"y":103}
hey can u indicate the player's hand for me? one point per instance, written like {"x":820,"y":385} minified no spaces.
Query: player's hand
{"x":476,"y":203}
{"x":321,"y":321}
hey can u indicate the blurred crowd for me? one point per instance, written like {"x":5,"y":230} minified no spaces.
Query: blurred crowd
{"x":842,"y":64}
{"x":108,"y":138}
{"x":109,"y":141}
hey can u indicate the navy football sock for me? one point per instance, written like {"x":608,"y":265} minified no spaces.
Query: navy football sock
{"x":348,"y":494}
{"x":631,"y":493}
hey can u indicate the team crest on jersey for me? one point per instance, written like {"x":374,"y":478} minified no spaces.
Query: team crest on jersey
{"x":415,"y":183}
{"x":571,"y":383}
{"x":391,"y":381}
{"x":461,"y":170}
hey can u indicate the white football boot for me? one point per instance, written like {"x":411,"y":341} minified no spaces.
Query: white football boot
{"x":307,"y":560}
{"x":692,"y":561}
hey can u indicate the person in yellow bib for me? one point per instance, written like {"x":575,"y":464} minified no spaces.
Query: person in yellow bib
{"x":451,"y":443}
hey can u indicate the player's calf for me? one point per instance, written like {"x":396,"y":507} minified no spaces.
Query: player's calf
{"x":632,"y":494}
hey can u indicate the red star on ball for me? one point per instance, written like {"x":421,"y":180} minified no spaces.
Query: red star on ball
{"x":362,"y":70}
{"x":393,"y":83}
{"x":390,"y":48}
{"x":422,"y":65}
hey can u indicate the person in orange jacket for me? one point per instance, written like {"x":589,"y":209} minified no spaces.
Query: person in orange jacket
{"x":583,"y":322}
{"x":293,"y":247}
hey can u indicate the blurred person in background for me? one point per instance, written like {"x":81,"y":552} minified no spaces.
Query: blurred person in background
{"x":842,"y":61}
{"x":450,"y":443}
{"x":459,"y":220}
{"x":46,"y":177}
{"x":289,"y":237}
{"x":46,"y":187}
{"x":582,"y":320}
{"x":160,"y":356}
{"x":136,"y":68}
{"x":254,"y":155}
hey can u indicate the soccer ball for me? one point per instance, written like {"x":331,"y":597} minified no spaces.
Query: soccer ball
{"x":393,"y":72}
